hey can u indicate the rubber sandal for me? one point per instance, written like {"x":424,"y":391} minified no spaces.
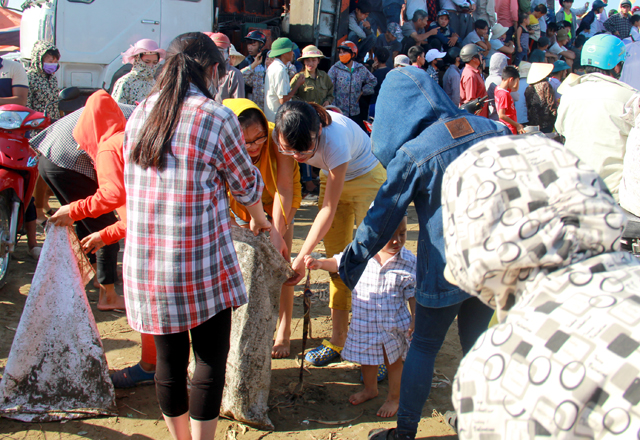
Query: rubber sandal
{"x":452,"y":419}
{"x":382,"y":373}
{"x":132,"y":377}
{"x":381,"y":434}
{"x":323,"y":355}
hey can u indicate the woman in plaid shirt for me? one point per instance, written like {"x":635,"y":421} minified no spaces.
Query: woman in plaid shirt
{"x":181,"y":273}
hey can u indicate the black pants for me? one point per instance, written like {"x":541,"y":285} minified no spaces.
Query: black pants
{"x":210,"y":341}
{"x":70,"y":186}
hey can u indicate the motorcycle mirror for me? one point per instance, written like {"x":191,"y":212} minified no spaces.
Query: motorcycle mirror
{"x":69,"y":94}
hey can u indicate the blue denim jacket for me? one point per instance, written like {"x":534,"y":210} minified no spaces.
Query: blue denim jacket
{"x":417,"y":133}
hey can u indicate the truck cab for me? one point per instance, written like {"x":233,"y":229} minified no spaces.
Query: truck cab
{"x":92,"y":34}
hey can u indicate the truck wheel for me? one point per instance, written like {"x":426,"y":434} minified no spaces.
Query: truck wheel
{"x":5,"y":220}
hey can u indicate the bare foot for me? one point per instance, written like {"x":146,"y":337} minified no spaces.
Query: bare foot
{"x":363,"y":396}
{"x":110,"y":302}
{"x":281,"y":349}
{"x":95,"y":282}
{"x":389,"y":408}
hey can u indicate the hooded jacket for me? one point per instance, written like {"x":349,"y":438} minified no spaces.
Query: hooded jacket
{"x":43,"y":88}
{"x":136,"y":85}
{"x":533,"y":229}
{"x":415,"y":148}
{"x":267,"y":165}
{"x":100,"y":132}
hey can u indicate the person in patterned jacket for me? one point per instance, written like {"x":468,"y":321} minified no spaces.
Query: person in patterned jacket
{"x":562,"y":361}
{"x":350,"y":80}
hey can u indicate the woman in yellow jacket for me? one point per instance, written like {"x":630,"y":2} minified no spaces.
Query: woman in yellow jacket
{"x":281,"y":198}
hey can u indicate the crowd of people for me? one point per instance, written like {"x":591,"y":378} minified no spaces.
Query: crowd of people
{"x":199,"y":137}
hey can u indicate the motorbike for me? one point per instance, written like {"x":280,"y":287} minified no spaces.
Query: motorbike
{"x":19,"y":169}
{"x":475,"y":105}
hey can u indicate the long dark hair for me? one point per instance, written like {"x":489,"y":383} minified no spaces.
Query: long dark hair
{"x":297,"y":120}
{"x":188,"y":58}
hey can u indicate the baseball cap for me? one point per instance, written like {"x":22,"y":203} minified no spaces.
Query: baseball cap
{"x":401,"y":61}
{"x":394,"y":29}
{"x":434,"y":54}
{"x":626,"y":3}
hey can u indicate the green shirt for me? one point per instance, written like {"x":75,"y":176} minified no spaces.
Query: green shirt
{"x":569,"y":17}
{"x":318,"y":89}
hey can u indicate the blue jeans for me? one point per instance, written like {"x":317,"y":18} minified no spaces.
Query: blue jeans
{"x":430,"y":330}
{"x":305,"y":172}
{"x":520,"y":56}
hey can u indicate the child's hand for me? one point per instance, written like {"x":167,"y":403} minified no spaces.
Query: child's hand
{"x":311,"y":263}
{"x":411,"y":328}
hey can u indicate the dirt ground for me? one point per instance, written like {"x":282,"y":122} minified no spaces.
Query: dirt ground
{"x":326,"y":393}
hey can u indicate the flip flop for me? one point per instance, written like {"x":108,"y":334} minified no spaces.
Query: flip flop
{"x":381,"y":434}
{"x":132,"y":377}
{"x":452,"y":419}
{"x":323,"y":355}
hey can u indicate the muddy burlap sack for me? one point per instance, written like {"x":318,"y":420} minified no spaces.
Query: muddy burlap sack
{"x":248,"y":378}
{"x":57,"y":369}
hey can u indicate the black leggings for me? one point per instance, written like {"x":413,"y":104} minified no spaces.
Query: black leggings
{"x":69,"y":186}
{"x":210,"y":341}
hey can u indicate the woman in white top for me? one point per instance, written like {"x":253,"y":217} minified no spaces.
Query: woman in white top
{"x":350,"y":179}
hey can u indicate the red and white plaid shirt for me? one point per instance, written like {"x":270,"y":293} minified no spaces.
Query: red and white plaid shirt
{"x":180,"y":266}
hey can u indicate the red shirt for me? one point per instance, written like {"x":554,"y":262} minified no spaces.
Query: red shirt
{"x":472,"y":87}
{"x":504,"y":101}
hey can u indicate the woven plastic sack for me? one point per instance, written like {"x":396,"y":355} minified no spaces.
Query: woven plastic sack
{"x":57,"y":369}
{"x":248,"y":377}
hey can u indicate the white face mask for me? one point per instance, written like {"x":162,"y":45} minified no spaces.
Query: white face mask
{"x":225,"y":54}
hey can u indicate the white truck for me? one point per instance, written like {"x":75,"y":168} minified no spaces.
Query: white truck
{"x":92,"y":34}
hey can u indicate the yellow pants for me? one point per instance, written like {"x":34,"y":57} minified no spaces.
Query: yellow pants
{"x":356,"y":197}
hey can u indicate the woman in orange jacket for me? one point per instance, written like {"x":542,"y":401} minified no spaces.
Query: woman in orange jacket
{"x":100,"y":132}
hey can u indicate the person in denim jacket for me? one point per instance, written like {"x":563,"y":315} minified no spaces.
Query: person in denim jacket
{"x":416,"y":148}
{"x":350,"y":80}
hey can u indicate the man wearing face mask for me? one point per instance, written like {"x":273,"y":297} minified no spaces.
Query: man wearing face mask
{"x":435,"y":62}
{"x":277,"y":89}
{"x":231,"y":85}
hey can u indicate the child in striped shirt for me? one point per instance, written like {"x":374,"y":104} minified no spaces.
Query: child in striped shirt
{"x":381,"y":324}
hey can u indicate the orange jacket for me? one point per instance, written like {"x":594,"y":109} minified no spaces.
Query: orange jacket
{"x":100,"y":132}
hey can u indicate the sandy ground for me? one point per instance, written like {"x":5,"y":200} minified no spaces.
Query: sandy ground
{"x":324,"y":400}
